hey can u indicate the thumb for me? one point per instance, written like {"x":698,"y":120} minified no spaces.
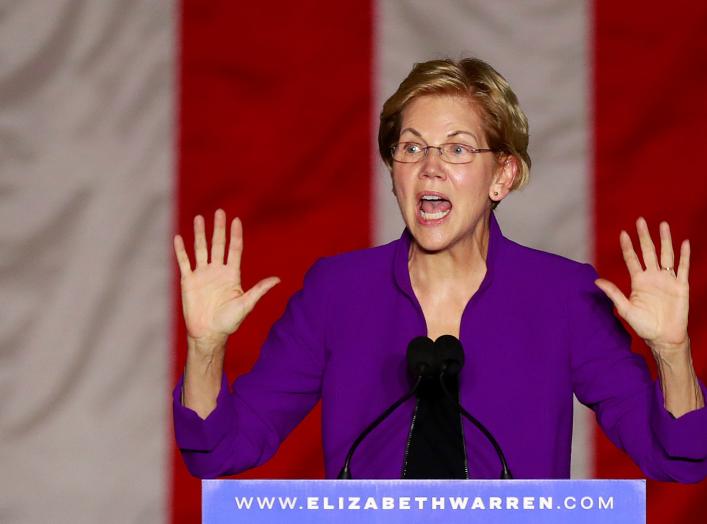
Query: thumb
{"x":621,"y":303}
{"x":254,"y":294}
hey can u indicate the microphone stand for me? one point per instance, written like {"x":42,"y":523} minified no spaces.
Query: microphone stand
{"x":505,"y":471}
{"x":345,"y":472}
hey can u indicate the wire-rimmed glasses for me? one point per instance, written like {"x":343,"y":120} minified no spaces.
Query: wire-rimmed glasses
{"x":411,"y":152}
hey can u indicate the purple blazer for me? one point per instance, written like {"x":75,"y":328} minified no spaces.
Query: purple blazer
{"x":536,"y":331}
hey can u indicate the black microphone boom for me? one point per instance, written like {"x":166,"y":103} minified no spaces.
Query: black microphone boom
{"x":426,"y":359}
{"x":420,"y":363}
{"x":450,"y":356}
{"x":421,"y":358}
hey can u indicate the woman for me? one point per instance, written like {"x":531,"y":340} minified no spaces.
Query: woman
{"x":535,"y":326}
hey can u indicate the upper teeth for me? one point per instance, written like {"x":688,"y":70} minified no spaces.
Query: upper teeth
{"x":431,"y":197}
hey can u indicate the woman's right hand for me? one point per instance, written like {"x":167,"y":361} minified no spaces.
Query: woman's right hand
{"x":213,"y":300}
{"x":214,"y":305}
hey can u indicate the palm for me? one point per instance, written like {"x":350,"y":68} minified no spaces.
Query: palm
{"x":214,"y":303}
{"x":657,"y":307}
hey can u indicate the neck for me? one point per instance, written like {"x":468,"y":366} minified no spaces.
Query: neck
{"x":463,"y":262}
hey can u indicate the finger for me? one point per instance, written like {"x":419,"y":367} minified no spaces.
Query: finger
{"x":630,"y":257}
{"x":684,"y":265}
{"x":621,"y":303}
{"x":200,"y":242}
{"x":182,"y":257}
{"x":235,"y":245}
{"x":650,"y":260}
{"x":218,"y":239}
{"x":254,"y":294}
{"x":667,"y":256}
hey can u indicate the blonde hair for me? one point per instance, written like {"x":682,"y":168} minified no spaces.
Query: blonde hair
{"x":504,"y":122}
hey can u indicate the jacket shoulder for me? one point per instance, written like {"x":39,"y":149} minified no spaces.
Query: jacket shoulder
{"x":354,"y":265}
{"x":544,"y":267}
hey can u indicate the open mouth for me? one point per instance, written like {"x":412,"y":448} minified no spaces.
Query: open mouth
{"x":433,"y":207}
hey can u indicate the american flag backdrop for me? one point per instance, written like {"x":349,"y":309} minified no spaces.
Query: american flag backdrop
{"x":121,"y":120}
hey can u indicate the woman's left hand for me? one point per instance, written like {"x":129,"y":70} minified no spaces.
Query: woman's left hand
{"x":658,"y":306}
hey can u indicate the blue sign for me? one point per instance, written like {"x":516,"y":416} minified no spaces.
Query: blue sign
{"x":409,"y":501}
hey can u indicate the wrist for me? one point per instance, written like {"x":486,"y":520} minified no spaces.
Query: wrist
{"x":203,"y":374}
{"x":205,"y":360}
{"x":206,"y":347}
{"x":672,"y":354}
{"x":679,"y":384}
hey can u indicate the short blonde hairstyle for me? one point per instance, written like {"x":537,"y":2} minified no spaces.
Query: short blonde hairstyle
{"x":504,"y":122}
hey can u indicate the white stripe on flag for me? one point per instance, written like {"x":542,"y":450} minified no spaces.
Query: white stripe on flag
{"x":86,"y":138}
{"x":542,"y":48}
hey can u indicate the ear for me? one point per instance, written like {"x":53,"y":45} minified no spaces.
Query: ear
{"x":504,"y":177}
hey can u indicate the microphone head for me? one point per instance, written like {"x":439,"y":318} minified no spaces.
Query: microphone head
{"x":450,"y":354}
{"x":421,"y":357}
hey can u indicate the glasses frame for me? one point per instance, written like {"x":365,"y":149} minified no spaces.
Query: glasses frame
{"x":425,"y":150}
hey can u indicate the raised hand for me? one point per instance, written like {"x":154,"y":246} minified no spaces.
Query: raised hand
{"x":657,"y":308}
{"x":214,"y":303}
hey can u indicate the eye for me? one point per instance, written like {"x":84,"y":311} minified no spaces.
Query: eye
{"x":411,"y":148}
{"x":459,"y":149}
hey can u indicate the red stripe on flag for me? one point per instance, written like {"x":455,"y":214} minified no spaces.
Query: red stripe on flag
{"x":275,"y":127}
{"x":650,"y":135}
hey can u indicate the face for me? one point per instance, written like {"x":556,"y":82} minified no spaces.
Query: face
{"x":444,"y":204}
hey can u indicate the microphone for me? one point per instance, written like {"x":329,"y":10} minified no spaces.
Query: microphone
{"x":450,"y":355}
{"x":450,"y":358}
{"x":421,"y":358}
{"x":421,"y":363}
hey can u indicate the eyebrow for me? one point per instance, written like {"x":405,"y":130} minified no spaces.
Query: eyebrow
{"x":460,"y":132}
{"x":450,"y":135}
{"x":413,"y":131}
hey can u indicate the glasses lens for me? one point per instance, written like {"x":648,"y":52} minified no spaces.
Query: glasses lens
{"x":457,"y":153}
{"x":408,"y":152}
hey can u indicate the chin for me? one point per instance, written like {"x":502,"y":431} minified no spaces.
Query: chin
{"x":430,"y":241}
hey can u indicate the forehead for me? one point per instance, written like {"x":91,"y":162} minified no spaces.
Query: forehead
{"x":435,"y":115}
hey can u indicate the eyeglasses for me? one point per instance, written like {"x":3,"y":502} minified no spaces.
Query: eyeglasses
{"x":411,"y":152}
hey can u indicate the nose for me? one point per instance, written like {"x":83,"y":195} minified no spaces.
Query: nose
{"x":432,"y":165}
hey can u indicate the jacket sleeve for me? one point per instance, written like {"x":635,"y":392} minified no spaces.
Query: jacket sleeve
{"x":251,"y":419}
{"x":628,"y":404}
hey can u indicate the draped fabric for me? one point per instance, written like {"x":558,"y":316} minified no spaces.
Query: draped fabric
{"x":87,"y":174}
{"x":119,"y":121}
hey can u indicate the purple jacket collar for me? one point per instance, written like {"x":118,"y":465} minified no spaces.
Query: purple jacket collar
{"x":401,"y":273}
